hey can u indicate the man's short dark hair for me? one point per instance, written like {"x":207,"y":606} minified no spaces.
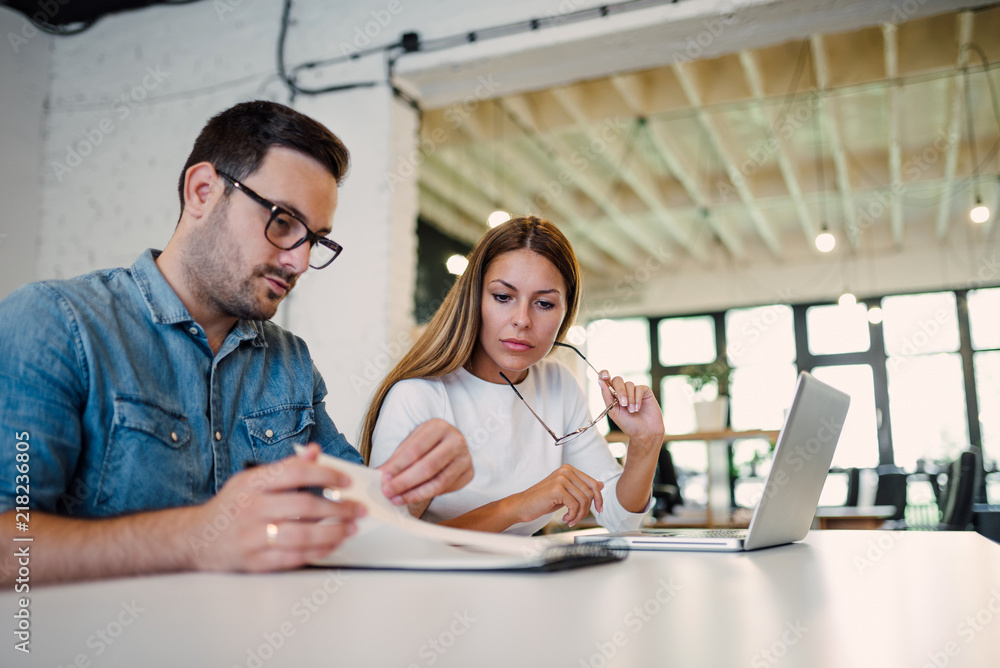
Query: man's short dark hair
{"x":236,"y":141}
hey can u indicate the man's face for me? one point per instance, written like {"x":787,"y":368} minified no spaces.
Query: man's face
{"x":231,"y":265}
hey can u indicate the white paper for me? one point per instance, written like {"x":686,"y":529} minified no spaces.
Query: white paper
{"x":389,"y":537}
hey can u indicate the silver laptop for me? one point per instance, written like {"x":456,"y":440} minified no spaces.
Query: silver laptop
{"x":788,"y":502}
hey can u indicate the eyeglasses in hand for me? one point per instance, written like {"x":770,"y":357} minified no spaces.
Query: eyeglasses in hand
{"x":563,"y":440}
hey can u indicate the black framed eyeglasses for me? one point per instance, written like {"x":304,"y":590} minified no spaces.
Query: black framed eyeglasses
{"x":563,"y":440}
{"x":286,"y":231}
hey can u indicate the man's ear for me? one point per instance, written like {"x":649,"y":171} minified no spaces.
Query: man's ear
{"x":202,"y":189}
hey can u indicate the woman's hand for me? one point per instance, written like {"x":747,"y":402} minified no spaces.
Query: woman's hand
{"x":566,"y":486}
{"x":637,"y":414}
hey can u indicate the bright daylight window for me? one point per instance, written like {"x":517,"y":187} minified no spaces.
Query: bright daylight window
{"x":836,"y":329}
{"x":858,"y":444}
{"x":683,"y":341}
{"x":687,"y":340}
{"x":622,"y":347}
{"x":760,"y":344}
{"x":987,"y":365}
{"x":761,"y":347}
{"x":984,"y":325}
{"x":926,"y":388}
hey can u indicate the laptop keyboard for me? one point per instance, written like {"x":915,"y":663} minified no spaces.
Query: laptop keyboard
{"x":706,"y":533}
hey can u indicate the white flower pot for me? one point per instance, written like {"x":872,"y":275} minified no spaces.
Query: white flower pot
{"x":711,"y":415}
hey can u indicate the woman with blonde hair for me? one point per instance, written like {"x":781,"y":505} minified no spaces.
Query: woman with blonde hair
{"x":481,"y":366}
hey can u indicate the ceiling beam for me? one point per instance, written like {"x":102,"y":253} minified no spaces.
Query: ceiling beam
{"x":767,"y":120}
{"x":597,"y":246}
{"x":688,"y":81}
{"x":631,"y":93}
{"x":639,"y":180}
{"x":562,"y":157}
{"x":957,"y":98}
{"x":446,"y":182}
{"x":828,"y":112}
{"x":491,"y":182}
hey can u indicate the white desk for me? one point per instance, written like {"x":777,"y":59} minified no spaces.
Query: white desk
{"x":841,"y":598}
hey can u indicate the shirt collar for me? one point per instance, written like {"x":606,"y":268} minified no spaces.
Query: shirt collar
{"x":166,"y":308}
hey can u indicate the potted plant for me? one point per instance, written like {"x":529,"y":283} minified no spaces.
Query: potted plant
{"x":710,"y":407}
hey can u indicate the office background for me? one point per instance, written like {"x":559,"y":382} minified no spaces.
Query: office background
{"x":652,"y":131}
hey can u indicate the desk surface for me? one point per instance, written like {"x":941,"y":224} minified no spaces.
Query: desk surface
{"x":840,"y":598}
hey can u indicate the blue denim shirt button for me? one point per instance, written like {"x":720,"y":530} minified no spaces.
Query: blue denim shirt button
{"x":269,"y":433}
{"x":173,"y":436}
{"x":194,"y":331}
{"x":218,"y":435}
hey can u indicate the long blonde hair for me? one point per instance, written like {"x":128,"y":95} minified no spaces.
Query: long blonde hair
{"x":450,"y":338}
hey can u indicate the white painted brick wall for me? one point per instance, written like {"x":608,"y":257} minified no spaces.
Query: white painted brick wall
{"x":104,"y":208}
{"x":24,"y":81}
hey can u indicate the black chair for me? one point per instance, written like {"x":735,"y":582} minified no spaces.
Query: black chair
{"x":853,"y":485}
{"x":666,"y":491}
{"x":891,"y":491}
{"x":958,"y":493}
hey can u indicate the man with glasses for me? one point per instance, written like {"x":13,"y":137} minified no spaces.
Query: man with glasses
{"x":150,"y":413}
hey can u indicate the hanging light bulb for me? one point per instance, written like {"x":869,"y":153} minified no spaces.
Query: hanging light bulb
{"x":825,"y":241}
{"x":456,"y":264}
{"x":980,"y":213}
{"x":497,"y":218}
{"x":847,"y":299}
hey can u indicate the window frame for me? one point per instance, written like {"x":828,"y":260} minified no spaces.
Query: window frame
{"x":875,"y":357}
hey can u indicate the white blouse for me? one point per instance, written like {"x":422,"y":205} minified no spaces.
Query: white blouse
{"x":510,"y":450}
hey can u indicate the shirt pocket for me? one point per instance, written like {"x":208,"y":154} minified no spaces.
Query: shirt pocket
{"x":148,"y":462}
{"x":274,"y":431}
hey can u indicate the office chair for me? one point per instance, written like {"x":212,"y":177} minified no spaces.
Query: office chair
{"x":853,"y":486}
{"x":959,"y":491}
{"x":666,"y":491}
{"x":891,"y":491}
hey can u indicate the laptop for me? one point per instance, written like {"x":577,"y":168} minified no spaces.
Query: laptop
{"x":788,"y":502}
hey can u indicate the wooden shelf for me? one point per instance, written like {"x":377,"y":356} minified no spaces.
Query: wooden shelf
{"x":726,"y":435}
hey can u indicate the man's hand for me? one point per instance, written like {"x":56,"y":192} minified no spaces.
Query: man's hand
{"x":432,"y":460}
{"x":274,"y":524}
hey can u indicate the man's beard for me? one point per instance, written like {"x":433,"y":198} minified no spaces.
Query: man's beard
{"x":214,"y":268}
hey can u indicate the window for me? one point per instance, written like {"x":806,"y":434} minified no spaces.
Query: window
{"x":927,"y":408}
{"x":687,"y":341}
{"x":906,"y":374}
{"x":984,"y":328}
{"x":837,"y":329}
{"x":858,"y":444}
{"x":677,"y":402}
{"x":761,"y":347}
{"x":920,"y":324}
{"x":987,"y":365}
{"x":925,"y":378}
{"x":761,"y":335}
{"x":760,"y":395}
{"x":622,"y":347}
{"x":984,"y":318}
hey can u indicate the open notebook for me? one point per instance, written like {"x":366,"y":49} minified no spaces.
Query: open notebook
{"x":389,"y":537}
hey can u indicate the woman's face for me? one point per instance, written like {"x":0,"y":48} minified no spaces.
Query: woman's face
{"x":523,"y":305}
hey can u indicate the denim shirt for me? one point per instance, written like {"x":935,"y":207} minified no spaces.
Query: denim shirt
{"x":123,"y":406}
